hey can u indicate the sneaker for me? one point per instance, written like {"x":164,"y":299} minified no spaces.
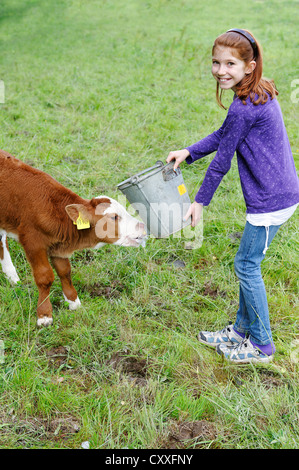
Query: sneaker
{"x":244,"y":353}
{"x":227,"y":336}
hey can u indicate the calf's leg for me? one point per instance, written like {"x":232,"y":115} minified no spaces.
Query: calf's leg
{"x":5,"y":260}
{"x":63,"y":268}
{"x":44,"y":278}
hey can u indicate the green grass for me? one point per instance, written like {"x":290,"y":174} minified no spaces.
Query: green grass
{"x":94,"y":92}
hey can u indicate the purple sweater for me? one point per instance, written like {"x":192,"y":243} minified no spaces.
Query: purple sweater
{"x":266,"y":165}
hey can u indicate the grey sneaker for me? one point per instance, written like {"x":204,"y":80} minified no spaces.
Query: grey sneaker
{"x":244,"y":353}
{"x":227,"y":336}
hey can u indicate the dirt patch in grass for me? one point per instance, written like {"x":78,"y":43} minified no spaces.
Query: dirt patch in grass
{"x":181,"y":435}
{"x":63,"y":427}
{"x":212,"y":291}
{"x":130,"y":367}
{"x":26,"y":431}
{"x":235,"y":236}
{"x":271,"y":379}
{"x":57,"y":356}
{"x":112,"y":291}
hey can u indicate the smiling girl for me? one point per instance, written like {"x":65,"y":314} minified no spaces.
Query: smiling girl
{"x":255,"y":130}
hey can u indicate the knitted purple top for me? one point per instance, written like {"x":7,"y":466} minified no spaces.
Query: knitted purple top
{"x":266,"y":166}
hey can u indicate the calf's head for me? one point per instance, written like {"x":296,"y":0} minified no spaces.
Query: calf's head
{"x":109,"y":220}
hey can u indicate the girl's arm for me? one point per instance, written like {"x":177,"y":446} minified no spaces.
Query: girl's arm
{"x":202,"y":148}
{"x":237,"y":127}
{"x":205,"y":146}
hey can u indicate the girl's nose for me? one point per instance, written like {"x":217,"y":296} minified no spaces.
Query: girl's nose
{"x":221,"y":70}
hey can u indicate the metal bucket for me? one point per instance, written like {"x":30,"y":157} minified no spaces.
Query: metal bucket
{"x":159,"y":196}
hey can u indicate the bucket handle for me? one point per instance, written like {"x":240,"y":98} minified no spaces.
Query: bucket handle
{"x":134,"y":179}
{"x":158,"y":165}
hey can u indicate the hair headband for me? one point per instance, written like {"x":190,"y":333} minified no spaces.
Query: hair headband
{"x":247,"y":36}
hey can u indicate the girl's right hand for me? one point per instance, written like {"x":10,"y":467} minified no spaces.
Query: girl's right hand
{"x":195,"y":212}
{"x":179,"y":156}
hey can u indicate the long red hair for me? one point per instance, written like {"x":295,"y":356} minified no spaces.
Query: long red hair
{"x":252,"y":85}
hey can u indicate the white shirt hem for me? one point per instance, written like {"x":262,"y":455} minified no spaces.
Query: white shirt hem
{"x":271,"y":218}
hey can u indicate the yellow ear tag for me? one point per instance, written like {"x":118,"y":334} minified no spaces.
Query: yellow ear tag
{"x":82,"y":223}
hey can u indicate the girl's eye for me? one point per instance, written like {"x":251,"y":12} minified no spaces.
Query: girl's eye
{"x":231,"y":63}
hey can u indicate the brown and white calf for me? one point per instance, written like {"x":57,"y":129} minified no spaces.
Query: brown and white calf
{"x":51,"y":222}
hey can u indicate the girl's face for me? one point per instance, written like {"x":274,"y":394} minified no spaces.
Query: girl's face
{"x":227,"y":69}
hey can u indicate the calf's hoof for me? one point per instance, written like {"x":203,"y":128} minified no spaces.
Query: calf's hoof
{"x":73,"y":304}
{"x":13,"y":277}
{"x":44,"y":321}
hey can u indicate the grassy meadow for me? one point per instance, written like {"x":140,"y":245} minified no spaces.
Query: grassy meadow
{"x":96,"y":91}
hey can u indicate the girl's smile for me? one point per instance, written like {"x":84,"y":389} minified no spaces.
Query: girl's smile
{"x":227,"y":69}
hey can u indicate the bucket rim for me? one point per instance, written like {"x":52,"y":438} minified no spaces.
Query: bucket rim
{"x":142,"y":175}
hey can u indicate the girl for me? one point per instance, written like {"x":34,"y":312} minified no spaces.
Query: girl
{"x":254,"y":129}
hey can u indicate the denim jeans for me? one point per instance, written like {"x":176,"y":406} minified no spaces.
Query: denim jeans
{"x":253,"y":313}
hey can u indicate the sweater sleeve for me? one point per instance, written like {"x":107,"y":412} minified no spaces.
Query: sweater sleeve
{"x":205,"y":146}
{"x":233,"y":131}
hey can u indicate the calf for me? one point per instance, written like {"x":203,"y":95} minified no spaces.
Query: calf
{"x":51,"y":222}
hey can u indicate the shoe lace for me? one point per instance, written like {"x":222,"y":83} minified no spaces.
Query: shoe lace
{"x":244,"y":343}
{"x":239,"y":346}
{"x":227,"y":329}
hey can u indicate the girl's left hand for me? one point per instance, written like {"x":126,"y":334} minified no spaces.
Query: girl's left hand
{"x":195,"y":211}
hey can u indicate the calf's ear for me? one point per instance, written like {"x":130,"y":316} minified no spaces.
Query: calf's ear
{"x":76,"y":211}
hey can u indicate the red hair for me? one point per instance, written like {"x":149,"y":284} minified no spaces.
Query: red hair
{"x":252,"y":85}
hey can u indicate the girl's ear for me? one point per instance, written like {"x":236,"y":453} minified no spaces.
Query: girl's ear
{"x":250,"y":67}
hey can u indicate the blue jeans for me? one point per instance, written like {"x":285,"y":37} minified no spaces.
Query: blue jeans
{"x":253,"y":313}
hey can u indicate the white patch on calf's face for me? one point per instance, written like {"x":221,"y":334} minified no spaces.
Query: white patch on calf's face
{"x":130,"y":232}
